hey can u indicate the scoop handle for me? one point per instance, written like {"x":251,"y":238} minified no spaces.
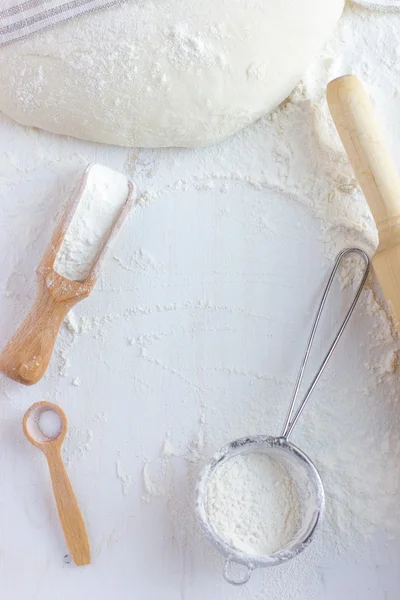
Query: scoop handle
{"x":68,"y":508}
{"x":362,"y":138}
{"x":26,"y":356}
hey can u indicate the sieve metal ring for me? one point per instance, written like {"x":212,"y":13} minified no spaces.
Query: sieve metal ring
{"x":247,"y":445}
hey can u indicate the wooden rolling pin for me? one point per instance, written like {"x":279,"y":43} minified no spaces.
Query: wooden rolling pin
{"x":361,"y":135}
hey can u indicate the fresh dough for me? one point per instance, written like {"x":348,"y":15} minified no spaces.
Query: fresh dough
{"x":163,"y":72}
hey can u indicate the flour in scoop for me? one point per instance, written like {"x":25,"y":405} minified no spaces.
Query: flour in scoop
{"x":49,"y":424}
{"x":103,"y":197}
{"x":253,"y":504}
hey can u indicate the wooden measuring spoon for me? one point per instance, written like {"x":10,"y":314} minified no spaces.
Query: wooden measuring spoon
{"x":26,"y":356}
{"x":67,"y":505}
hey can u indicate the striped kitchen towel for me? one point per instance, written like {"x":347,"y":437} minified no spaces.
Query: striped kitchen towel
{"x":382,"y":5}
{"x":19,"y":19}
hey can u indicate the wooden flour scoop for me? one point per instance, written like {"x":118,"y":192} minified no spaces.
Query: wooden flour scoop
{"x":26,"y":356}
{"x":361,"y":135}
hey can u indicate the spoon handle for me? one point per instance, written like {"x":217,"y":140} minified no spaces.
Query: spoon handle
{"x":68,"y":508}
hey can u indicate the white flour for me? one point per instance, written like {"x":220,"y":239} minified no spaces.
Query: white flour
{"x":253,"y":504}
{"x":101,"y":202}
{"x":49,"y":423}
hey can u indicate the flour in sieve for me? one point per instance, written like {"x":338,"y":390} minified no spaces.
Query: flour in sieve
{"x":253,"y":504}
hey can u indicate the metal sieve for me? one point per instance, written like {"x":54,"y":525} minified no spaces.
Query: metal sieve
{"x":297,"y":464}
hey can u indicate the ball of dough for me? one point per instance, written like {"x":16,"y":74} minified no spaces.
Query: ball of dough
{"x":163,"y":72}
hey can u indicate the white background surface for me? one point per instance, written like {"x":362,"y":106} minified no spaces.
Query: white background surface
{"x":222,"y":280}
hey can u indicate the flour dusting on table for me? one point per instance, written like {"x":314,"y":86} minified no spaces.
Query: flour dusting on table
{"x":194,"y":286}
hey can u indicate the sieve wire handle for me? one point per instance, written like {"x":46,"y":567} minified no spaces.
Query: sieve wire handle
{"x":291,"y":419}
{"x":248,"y":569}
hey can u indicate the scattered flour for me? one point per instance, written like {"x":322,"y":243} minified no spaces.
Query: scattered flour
{"x":77,"y":444}
{"x":352,"y":430}
{"x":125,"y":478}
{"x":71,"y":323}
{"x":153,"y":472}
{"x":253,"y":504}
{"x":102,"y":199}
{"x":63,"y":360}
